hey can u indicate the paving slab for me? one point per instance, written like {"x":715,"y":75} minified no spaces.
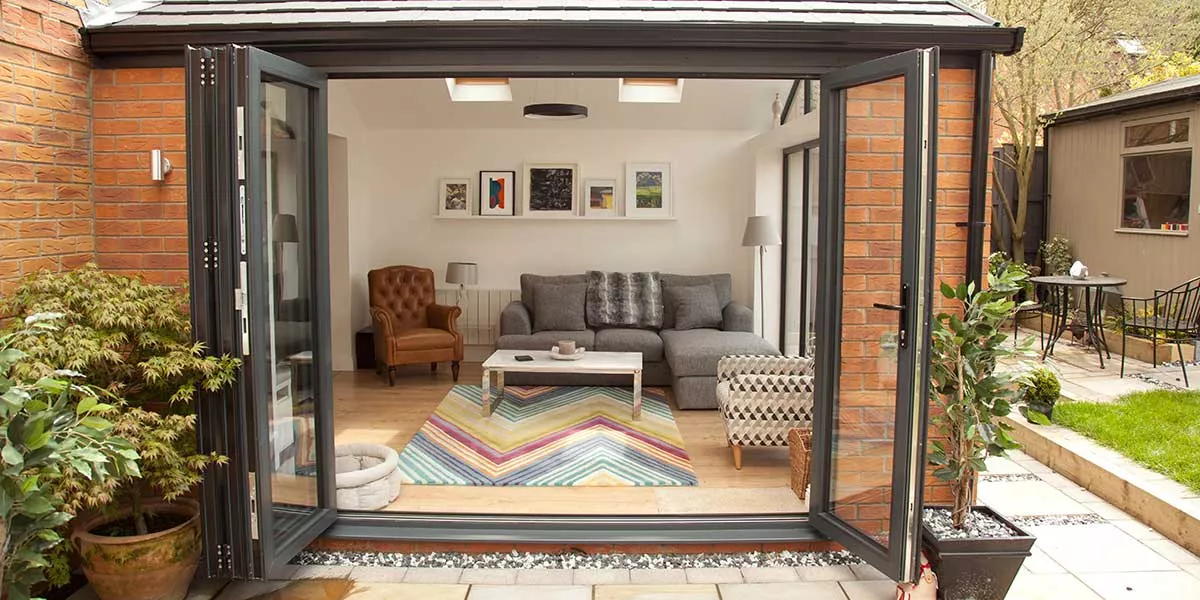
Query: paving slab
{"x":1049,"y":586}
{"x":714,"y":575}
{"x":657,"y":576}
{"x":868,"y":573}
{"x":238,"y":590}
{"x":600,"y":576}
{"x":1172,"y":551}
{"x":831,"y":573}
{"x":1002,"y":465}
{"x":404,"y":591}
{"x":656,"y":592}
{"x":380,"y":574}
{"x":432,"y":575}
{"x":527,"y":592}
{"x":1143,"y":586}
{"x":319,"y":572}
{"x":1027,"y":498}
{"x":869,"y":590}
{"x":769,"y":574}
{"x":1039,"y":563}
{"x":1097,"y":549}
{"x":805,"y":590}
{"x":489,"y":576}
{"x":544,"y":577}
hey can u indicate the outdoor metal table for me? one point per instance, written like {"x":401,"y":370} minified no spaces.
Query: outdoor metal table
{"x":1061,"y":286}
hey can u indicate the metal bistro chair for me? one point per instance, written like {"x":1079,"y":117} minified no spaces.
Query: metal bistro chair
{"x":1174,"y":313}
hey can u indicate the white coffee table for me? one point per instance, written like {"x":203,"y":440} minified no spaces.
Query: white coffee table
{"x":601,"y":363}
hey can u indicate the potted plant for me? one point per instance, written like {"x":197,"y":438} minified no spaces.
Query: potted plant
{"x":975,"y":552}
{"x":133,"y":340}
{"x":1039,"y":392}
{"x":48,"y":425}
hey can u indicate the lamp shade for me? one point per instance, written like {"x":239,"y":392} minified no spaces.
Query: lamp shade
{"x":284,"y":229}
{"x":462,"y":273}
{"x":760,"y":231}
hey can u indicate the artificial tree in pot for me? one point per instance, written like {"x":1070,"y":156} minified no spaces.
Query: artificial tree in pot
{"x":48,"y":426}
{"x":133,"y":340}
{"x":972,"y":396}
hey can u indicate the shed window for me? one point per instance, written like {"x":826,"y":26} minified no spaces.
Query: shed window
{"x":1157,"y":175}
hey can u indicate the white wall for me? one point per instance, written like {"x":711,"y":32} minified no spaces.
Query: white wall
{"x":403,"y":136}
{"x":342,"y":342}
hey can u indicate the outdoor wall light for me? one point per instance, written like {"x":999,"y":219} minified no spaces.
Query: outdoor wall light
{"x":159,"y":166}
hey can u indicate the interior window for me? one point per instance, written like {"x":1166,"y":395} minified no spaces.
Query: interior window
{"x":1157,"y":175}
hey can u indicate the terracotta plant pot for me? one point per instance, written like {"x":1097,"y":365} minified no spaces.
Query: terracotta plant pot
{"x":156,"y":566}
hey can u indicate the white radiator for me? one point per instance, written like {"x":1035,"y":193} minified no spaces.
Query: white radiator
{"x":480,"y":320}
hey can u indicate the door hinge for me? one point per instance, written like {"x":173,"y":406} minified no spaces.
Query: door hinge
{"x":211,"y":254}
{"x":207,"y":70}
{"x":224,"y":557}
{"x":253,"y":507}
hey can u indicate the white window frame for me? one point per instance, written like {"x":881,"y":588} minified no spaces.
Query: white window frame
{"x":1188,"y":146}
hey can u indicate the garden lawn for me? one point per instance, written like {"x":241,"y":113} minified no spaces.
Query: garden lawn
{"x":1160,"y":430}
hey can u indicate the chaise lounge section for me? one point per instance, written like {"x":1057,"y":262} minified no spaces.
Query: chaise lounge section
{"x":681,"y":355}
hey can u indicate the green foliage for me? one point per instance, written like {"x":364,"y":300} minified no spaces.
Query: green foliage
{"x":52,"y":427}
{"x":1056,"y":254}
{"x":133,"y":340}
{"x":971,"y":394}
{"x":1157,"y":429}
{"x":1039,"y":391}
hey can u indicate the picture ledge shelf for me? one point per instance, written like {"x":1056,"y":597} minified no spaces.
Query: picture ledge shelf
{"x":525,"y":218}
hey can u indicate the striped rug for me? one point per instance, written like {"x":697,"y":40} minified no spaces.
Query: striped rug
{"x":549,"y":436}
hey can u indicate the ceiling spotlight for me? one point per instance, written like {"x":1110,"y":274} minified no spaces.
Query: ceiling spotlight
{"x":554,"y":111}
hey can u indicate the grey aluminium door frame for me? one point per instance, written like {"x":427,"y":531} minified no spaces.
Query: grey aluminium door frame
{"x":899,"y":560}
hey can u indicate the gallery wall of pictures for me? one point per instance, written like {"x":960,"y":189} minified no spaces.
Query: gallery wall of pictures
{"x":556,"y":190}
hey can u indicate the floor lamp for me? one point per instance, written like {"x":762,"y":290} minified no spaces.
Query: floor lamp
{"x":761,"y":232}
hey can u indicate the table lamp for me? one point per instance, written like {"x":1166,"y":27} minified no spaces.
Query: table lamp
{"x":464,"y":274}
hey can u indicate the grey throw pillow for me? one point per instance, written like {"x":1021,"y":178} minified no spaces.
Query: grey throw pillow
{"x":694,"y":306}
{"x":559,"y":307}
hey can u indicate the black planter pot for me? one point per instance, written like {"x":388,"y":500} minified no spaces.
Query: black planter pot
{"x":976,"y":568}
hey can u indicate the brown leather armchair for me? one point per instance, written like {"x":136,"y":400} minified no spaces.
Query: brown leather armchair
{"x":409,"y":327}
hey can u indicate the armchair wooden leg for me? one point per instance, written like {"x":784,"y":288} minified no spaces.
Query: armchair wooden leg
{"x":433,"y":367}
{"x":737,"y":457}
{"x":454,"y":370}
{"x":392,"y":376}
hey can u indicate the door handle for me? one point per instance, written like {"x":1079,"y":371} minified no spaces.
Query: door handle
{"x":901,"y":308}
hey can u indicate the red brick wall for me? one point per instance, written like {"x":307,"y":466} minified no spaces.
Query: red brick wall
{"x":45,"y":141}
{"x":141,"y":225}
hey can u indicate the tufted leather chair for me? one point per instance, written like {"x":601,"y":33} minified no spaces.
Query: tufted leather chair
{"x":409,"y":327}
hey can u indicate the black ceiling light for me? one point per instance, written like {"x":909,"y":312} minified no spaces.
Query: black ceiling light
{"x":556,"y":111}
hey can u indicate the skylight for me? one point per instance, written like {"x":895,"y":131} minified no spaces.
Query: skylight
{"x":479,"y":89}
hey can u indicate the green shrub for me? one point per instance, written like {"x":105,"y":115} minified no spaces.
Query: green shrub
{"x":1040,"y":391}
{"x":134,"y":341}
{"x":1056,"y":254}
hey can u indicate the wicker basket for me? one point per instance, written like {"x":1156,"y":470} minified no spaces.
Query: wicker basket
{"x":799,"y":451}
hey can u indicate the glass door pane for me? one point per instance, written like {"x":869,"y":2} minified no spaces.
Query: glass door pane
{"x":281,"y":106}
{"x":875,"y":294}
{"x":801,"y":259}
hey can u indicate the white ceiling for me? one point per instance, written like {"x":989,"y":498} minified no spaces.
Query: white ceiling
{"x":425,"y":104}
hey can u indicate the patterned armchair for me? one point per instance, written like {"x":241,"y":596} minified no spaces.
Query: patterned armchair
{"x":761,"y":398}
{"x":409,"y":327}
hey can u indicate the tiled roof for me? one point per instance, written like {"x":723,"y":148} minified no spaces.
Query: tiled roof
{"x":225,"y":13}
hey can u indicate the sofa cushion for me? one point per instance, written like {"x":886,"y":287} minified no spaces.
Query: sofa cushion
{"x":422,"y":339}
{"x":631,"y":340}
{"x":528,"y":281}
{"x":695,"y":352}
{"x":544,"y":340}
{"x":695,"y":306}
{"x":559,"y":307}
{"x":624,"y":300}
{"x":722,"y":283}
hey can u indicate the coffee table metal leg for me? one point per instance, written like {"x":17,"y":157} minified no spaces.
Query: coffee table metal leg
{"x":487,"y":393}
{"x":637,"y":395}
{"x":500,"y":389}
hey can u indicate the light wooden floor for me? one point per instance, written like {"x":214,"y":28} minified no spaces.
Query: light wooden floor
{"x":367,"y":410}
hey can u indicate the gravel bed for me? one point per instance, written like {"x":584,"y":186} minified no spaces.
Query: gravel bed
{"x":1160,"y":381}
{"x":540,"y":560}
{"x":979,"y":525}
{"x":1008,"y":477}
{"x":1085,"y":519}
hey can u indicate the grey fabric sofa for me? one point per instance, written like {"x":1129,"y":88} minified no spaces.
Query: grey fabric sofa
{"x":684,"y":359}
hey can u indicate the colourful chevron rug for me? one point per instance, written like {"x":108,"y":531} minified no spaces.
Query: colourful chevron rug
{"x":549,"y":436}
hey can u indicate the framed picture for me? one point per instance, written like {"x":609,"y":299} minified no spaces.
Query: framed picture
{"x":600,"y":197}
{"x":550,"y":189}
{"x":454,"y":197}
{"x":648,"y":190}
{"x":496,"y":193}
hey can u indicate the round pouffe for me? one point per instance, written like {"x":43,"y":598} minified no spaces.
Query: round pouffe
{"x":368,"y":476}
